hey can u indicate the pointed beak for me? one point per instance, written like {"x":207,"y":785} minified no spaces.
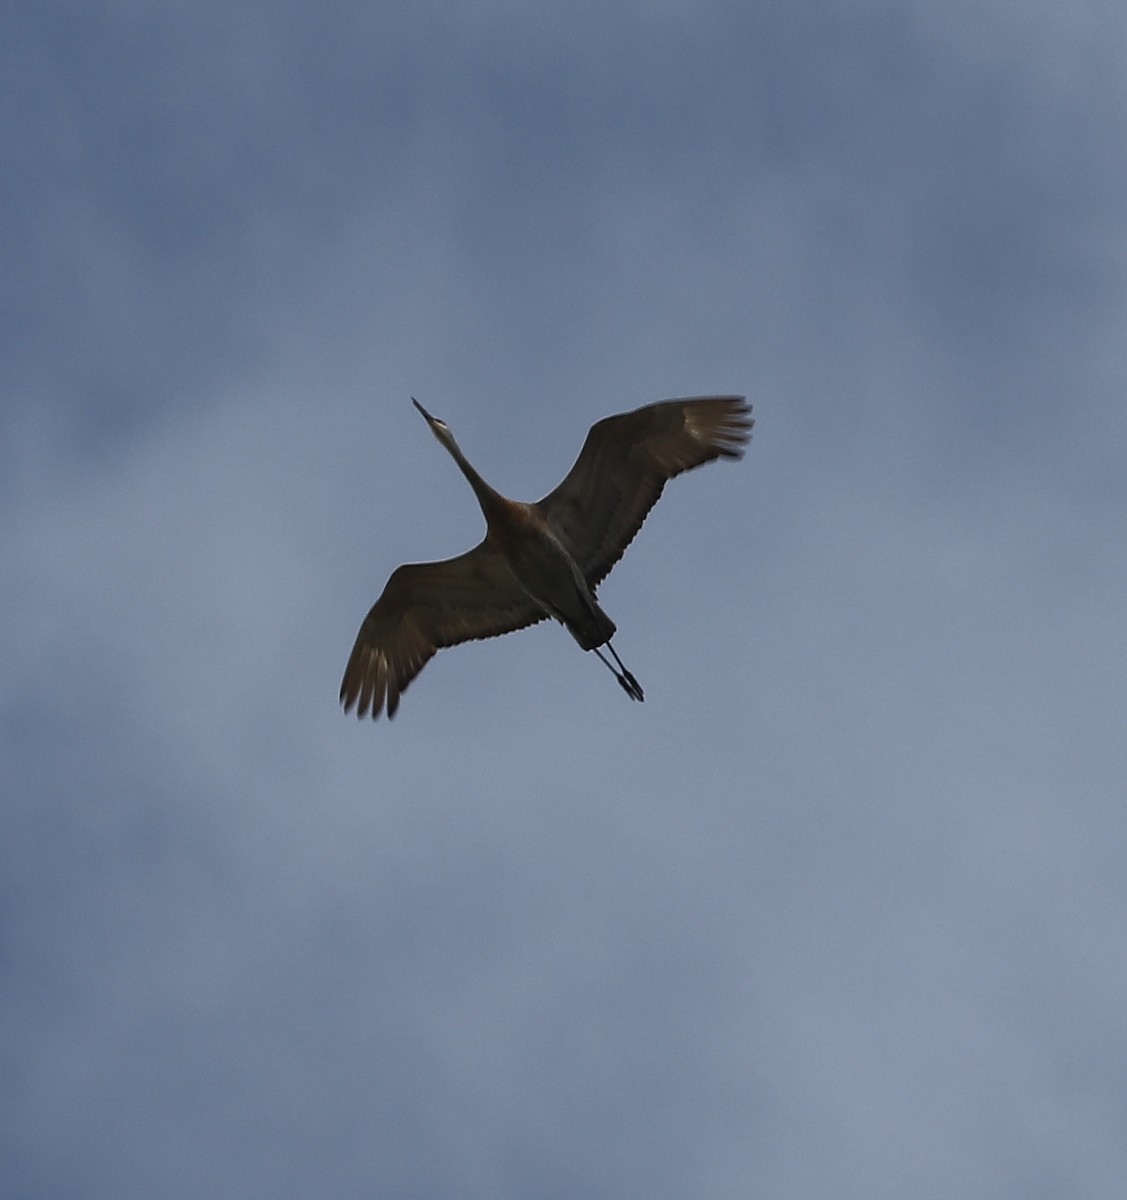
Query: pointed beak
{"x":430,"y":419}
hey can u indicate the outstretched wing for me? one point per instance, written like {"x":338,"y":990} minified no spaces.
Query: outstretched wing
{"x":626,"y":461}
{"x":424,"y":607}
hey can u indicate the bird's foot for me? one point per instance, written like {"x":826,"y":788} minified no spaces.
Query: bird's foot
{"x":631,"y":686}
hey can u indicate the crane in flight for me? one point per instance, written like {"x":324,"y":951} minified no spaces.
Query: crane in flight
{"x":544,"y":559}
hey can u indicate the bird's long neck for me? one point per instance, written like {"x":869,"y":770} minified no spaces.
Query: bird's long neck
{"x":489,"y":499}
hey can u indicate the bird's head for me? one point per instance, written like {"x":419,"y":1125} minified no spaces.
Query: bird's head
{"x":438,"y":427}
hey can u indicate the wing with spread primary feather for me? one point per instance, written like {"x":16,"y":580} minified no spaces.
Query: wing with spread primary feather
{"x":424,"y":607}
{"x":624,"y":465}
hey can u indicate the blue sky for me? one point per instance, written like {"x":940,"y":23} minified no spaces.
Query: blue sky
{"x":840,"y":909}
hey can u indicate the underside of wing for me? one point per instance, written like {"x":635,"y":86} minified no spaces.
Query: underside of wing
{"x":624,"y":464}
{"x":424,"y":607}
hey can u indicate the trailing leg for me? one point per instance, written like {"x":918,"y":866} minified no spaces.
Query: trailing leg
{"x":629,"y":684}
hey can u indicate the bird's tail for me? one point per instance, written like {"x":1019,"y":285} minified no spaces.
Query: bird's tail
{"x":594,"y":629}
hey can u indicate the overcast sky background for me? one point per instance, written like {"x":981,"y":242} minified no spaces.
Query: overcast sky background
{"x":840,"y":910}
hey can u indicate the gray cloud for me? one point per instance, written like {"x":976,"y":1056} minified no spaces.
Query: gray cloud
{"x":837,"y":910}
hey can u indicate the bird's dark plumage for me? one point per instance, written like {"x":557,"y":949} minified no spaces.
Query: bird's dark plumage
{"x":624,"y":465}
{"x":544,"y":559}
{"x":424,"y":607}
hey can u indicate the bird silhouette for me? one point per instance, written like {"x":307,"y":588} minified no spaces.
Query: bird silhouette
{"x":544,"y":559}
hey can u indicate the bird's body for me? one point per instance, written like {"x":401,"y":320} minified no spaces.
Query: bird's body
{"x":546,"y":573}
{"x":544,"y":559}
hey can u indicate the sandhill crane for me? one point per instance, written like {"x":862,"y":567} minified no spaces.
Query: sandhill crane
{"x":539,"y":560}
